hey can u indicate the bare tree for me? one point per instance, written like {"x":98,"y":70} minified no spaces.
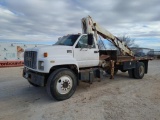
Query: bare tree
{"x":130,"y":42}
{"x":126,"y":39}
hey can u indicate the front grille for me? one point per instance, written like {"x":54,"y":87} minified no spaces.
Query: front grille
{"x":30,"y":59}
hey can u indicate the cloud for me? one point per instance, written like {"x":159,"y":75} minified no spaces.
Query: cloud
{"x":46,"y":20}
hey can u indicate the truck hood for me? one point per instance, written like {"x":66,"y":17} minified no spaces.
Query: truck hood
{"x":54,"y":50}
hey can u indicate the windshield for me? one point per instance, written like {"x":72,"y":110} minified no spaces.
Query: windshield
{"x":68,"y":40}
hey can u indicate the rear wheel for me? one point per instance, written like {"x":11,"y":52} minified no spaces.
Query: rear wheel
{"x":139,"y":70}
{"x":61,"y":84}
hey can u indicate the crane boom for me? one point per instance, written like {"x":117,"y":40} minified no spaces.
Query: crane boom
{"x":91,"y":27}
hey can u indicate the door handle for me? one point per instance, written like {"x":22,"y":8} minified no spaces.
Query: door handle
{"x":96,"y":51}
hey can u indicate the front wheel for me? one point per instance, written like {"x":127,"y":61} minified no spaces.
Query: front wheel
{"x":61,"y":84}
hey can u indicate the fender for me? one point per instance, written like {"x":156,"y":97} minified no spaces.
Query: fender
{"x":50,"y":62}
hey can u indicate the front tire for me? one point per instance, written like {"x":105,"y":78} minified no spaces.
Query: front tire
{"x":61,"y":84}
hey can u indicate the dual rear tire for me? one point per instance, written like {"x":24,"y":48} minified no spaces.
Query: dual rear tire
{"x":109,"y":71}
{"x":137,"y":72}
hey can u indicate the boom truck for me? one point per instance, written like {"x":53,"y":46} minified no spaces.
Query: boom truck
{"x":77,"y":57}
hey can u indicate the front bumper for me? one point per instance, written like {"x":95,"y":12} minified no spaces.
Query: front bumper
{"x":34,"y":77}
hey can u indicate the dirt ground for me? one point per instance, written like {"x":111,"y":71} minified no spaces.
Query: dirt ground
{"x":120,"y":99}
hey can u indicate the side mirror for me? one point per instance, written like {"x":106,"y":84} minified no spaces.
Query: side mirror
{"x":90,"y":39}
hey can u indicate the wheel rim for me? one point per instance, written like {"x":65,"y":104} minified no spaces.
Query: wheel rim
{"x":64,"y":84}
{"x":141,"y":70}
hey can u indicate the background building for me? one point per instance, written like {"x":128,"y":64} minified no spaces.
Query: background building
{"x":11,"y":54}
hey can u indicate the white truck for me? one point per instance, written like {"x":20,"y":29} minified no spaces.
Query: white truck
{"x":77,"y":57}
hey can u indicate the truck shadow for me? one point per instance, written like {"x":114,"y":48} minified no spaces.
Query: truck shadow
{"x":104,"y":81}
{"x":37,"y":94}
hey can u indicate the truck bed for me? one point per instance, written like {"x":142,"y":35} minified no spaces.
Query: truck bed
{"x":114,"y":55}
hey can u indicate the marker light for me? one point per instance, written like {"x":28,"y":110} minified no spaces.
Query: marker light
{"x":45,"y":54}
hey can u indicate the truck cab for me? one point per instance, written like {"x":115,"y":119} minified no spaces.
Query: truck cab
{"x":69,"y":50}
{"x":84,"y":54}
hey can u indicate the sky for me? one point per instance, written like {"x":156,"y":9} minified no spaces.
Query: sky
{"x":44,"y":21}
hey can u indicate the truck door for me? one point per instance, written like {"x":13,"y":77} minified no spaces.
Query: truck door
{"x":85,"y":55}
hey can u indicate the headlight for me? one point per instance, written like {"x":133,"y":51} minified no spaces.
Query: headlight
{"x":41,"y":65}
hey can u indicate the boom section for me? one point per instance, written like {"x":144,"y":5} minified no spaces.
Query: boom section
{"x":90,"y":26}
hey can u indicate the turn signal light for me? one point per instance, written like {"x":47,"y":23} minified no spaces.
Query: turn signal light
{"x":45,"y":54}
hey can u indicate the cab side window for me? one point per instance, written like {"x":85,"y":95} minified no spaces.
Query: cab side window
{"x":83,"y":42}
